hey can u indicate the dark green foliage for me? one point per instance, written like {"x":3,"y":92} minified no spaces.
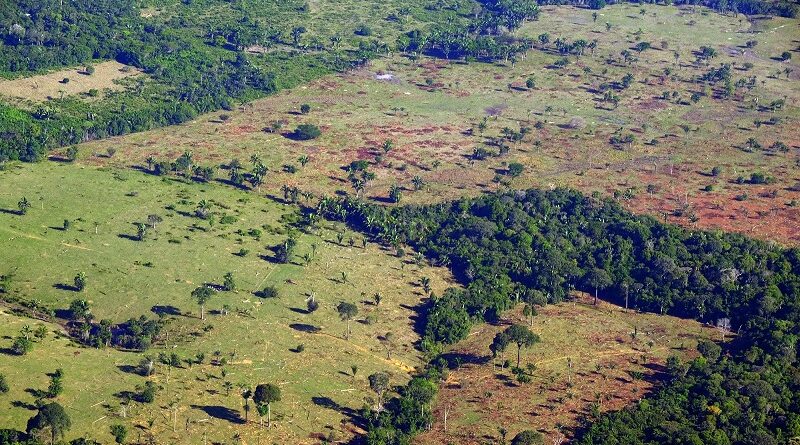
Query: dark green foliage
{"x":528,"y":437}
{"x":51,"y":419}
{"x":3,"y":384}
{"x":269,"y":292}
{"x":21,"y":345}
{"x":285,"y":250}
{"x":305,"y":132}
{"x":555,"y":241}
{"x":229,"y":284}
{"x":147,"y":392}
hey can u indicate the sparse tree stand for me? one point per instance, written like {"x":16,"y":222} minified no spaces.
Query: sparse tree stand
{"x":264,"y":395}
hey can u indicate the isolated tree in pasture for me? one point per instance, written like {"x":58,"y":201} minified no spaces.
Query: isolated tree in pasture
{"x":141,"y":231}
{"x":153,"y":220}
{"x":23,"y":205}
{"x":52,"y":420}
{"x":347,"y":311}
{"x":202,"y":294}
{"x":522,"y":337}
{"x":228,"y":283}
{"x":264,"y":395}
{"x":227,"y":386}
{"x":80,"y":281}
{"x":246,"y":393}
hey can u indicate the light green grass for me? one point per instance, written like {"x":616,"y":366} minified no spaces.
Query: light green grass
{"x":120,"y":286}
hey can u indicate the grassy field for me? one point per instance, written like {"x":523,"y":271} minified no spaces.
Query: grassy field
{"x":616,"y":358}
{"x":48,"y":86}
{"x":259,"y":336}
{"x":431,"y":110}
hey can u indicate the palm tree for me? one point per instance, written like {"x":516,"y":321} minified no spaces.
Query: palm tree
{"x":246,"y":393}
{"x":23,"y":205}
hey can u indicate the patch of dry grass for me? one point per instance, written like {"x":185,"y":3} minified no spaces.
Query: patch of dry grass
{"x":52,"y":86}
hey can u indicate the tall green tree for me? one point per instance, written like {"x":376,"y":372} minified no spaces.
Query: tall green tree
{"x":347,"y":311}
{"x":202,"y":294}
{"x":522,"y":337}
{"x":264,"y":395}
{"x":51,"y":420}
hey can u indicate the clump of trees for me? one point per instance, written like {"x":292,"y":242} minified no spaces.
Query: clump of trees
{"x":543,"y":245}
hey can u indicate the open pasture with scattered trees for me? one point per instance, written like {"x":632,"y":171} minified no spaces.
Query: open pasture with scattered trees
{"x":126,"y":245}
{"x":639,"y":111}
{"x":447,"y":221}
{"x":591,"y":359}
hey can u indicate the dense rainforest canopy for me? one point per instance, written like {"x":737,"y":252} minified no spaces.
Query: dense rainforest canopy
{"x":538,"y":246}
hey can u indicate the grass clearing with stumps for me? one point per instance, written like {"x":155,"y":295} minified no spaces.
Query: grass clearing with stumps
{"x":260,"y":338}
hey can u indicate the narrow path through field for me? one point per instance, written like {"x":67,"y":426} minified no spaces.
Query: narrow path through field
{"x":393,"y":362}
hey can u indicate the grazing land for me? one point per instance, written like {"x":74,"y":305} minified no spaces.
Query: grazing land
{"x":154,"y":279}
{"x":258,"y":336}
{"x":432,"y":111}
{"x":591,"y":359}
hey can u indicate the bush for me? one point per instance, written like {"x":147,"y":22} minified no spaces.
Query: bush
{"x":21,"y":346}
{"x":269,"y":292}
{"x":305,"y":108}
{"x":761,"y":178}
{"x":306,"y":132}
{"x":363,"y":30}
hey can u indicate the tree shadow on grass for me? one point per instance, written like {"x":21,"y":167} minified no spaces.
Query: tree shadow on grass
{"x":221,"y":412}
{"x":128,"y":369}
{"x":307,"y":328}
{"x":10,"y":211}
{"x":25,"y":405}
{"x":165,"y":310}
{"x":351,"y":414}
{"x":456,"y":359}
{"x":65,"y":286}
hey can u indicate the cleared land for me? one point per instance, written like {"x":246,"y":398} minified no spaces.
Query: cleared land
{"x":432,"y":109}
{"x":616,"y":358}
{"x":259,"y":337}
{"x":106,"y":76}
